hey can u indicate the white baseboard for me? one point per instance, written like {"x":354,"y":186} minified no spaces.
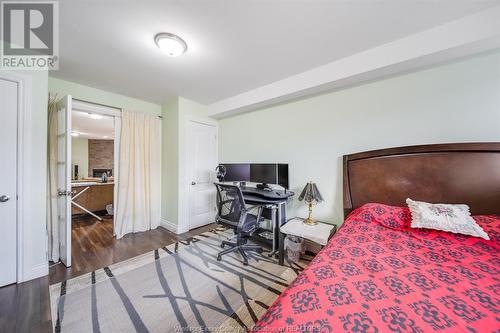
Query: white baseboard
{"x":169,"y":226}
{"x":182,"y":230}
{"x":36,"y":272}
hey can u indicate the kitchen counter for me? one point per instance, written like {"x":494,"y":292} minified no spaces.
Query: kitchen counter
{"x":85,"y":184}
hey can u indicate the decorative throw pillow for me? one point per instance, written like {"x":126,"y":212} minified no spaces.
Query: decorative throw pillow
{"x":445,"y":217}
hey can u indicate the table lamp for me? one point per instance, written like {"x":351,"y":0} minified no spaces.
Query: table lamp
{"x":311,"y":195}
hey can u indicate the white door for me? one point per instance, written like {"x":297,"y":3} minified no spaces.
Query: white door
{"x":64,"y":177}
{"x":202,"y":159}
{"x":8,"y":181}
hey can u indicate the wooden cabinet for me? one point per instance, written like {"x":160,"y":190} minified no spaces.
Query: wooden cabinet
{"x":94,"y":199}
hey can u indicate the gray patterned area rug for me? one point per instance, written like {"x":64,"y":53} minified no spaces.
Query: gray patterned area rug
{"x":181,"y":287}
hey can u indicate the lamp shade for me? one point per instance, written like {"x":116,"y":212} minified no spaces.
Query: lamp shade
{"x":310,"y":193}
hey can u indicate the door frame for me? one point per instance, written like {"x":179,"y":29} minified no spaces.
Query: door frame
{"x":116,"y":113}
{"x":184,"y":181}
{"x":23,"y":206}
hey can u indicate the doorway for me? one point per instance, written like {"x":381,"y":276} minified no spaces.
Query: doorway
{"x":92,"y":178}
{"x":86,"y":181}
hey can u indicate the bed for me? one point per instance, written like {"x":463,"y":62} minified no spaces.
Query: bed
{"x":379,"y":275}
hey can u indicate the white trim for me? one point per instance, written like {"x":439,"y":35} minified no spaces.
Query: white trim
{"x":181,"y":230}
{"x":170,"y":226}
{"x":36,"y":271}
{"x":24,"y":130}
{"x":84,"y":106}
{"x":203,"y":120}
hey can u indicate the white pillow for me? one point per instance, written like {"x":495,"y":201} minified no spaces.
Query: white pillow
{"x":452,"y":218}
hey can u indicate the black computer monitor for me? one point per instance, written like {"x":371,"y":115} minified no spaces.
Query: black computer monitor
{"x":237,"y":172}
{"x":264,"y":173}
{"x":283,"y":175}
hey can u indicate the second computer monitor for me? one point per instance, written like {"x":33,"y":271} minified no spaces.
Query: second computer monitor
{"x":283,"y":175}
{"x":264,"y":173}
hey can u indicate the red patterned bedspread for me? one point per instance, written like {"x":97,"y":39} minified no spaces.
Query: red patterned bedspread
{"x":379,"y":275}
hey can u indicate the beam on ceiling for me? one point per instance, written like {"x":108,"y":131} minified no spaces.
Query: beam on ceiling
{"x":453,"y":40}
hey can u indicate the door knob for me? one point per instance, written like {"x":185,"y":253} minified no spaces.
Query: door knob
{"x":4,"y":198}
{"x":63,"y":193}
{"x":193,"y":183}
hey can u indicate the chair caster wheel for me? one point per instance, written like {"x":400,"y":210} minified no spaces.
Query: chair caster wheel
{"x":245,"y":263}
{"x":222,"y":245}
{"x":219,"y":258}
{"x":260,"y":251}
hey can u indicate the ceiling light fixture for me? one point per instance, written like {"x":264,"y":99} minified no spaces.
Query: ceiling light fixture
{"x":171,"y":44}
{"x":95,"y":116}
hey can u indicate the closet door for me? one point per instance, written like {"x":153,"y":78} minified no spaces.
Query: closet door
{"x":8,"y":181}
{"x":202,"y":152}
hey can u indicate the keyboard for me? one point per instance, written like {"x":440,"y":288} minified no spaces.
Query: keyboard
{"x":269,"y":194}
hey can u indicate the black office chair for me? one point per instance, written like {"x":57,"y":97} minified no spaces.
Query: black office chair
{"x":233,"y":213}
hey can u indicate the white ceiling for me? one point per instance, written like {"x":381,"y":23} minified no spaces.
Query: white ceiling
{"x":233,"y":46}
{"x":88,"y":128}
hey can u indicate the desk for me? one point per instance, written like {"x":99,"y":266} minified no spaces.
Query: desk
{"x":275,"y":200}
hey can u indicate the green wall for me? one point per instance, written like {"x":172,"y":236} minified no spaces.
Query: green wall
{"x":176,"y":115}
{"x":93,"y":95}
{"x":80,"y":157}
{"x":456,"y":102}
{"x":170,"y":162}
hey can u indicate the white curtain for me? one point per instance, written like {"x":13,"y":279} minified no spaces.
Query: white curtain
{"x":139,"y":176}
{"x":52,"y":217}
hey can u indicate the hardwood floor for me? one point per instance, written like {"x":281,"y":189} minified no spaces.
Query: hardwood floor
{"x":25,"y":307}
{"x":93,"y":246}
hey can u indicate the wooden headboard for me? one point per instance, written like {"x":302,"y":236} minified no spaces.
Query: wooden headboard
{"x":443,"y":173}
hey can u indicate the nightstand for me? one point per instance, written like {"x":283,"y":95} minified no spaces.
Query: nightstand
{"x":319,"y":233}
